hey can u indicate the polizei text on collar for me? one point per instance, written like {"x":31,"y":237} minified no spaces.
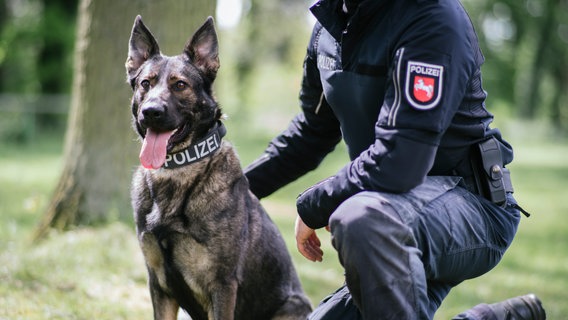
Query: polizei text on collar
{"x":195,"y":152}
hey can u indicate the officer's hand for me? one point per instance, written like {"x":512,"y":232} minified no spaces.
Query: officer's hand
{"x":307,"y":241}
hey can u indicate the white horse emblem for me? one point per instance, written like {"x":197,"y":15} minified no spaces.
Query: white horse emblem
{"x":428,"y":89}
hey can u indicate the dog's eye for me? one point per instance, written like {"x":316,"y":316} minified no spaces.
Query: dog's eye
{"x":145,"y":84}
{"x":180,"y":85}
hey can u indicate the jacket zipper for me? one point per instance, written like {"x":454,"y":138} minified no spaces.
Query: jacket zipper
{"x":391,"y":121}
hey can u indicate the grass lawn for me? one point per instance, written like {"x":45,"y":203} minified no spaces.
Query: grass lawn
{"x":98,"y":273}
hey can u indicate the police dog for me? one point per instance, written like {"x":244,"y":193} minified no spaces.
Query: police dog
{"x":209,"y":246}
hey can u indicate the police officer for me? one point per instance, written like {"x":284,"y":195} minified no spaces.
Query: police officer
{"x":400,"y":83}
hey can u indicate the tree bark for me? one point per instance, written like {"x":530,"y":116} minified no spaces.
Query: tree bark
{"x":100,"y":146}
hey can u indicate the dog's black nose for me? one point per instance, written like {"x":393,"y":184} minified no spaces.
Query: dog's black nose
{"x":153,"y":113}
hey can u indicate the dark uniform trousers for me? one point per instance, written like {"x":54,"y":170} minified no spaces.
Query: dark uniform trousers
{"x":402,"y":253}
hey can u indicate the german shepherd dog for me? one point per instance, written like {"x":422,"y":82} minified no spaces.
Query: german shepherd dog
{"x":209,"y":246}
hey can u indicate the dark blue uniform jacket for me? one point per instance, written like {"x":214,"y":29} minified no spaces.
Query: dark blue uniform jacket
{"x":400,"y":82}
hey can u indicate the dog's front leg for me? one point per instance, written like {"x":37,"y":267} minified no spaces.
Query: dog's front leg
{"x":165,"y":307}
{"x":224,"y":302}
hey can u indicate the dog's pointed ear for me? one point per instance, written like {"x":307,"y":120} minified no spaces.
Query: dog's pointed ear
{"x":142,"y":46}
{"x":203,"y":49}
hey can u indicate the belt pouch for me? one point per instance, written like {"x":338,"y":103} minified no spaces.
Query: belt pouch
{"x":488,"y":171}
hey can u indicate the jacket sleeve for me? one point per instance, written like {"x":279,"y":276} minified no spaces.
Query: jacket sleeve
{"x":411,"y":123}
{"x":311,"y":135}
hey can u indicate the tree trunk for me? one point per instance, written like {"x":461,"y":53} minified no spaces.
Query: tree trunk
{"x":100,"y":147}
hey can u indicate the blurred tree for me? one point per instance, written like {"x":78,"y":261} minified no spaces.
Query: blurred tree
{"x":526,"y":44}
{"x":3,"y":23}
{"x":36,"y":46}
{"x":270,"y":32}
{"x":56,"y":31}
{"x":100,"y":148}
{"x":550,"y":38}
{"x":56,"y":34}
{"x":19,"y":44}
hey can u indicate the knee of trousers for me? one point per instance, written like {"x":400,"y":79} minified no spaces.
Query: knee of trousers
{"x":365,"y":220}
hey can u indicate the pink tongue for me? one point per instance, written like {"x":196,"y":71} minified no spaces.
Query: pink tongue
{"x":153,"y":153}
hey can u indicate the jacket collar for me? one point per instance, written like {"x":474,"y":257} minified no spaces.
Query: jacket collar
{"x":330,"y":15}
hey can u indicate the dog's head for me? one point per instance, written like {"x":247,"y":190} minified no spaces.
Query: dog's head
{"x":173,"y":102}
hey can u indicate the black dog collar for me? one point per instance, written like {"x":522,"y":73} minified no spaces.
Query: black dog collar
{"x":201,"y":149}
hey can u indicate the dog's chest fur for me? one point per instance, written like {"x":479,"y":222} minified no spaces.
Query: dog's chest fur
{"x":176,"y":217}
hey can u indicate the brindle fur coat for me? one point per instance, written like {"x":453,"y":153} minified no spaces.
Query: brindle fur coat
{"x":209,"y":246}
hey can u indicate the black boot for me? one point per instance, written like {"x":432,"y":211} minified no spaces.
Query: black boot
{"x":519,"y":308}
{"x":526,"y":307}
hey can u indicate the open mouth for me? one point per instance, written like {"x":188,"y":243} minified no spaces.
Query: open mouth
{"x":156,"y":145}
{"x":178,"y":136}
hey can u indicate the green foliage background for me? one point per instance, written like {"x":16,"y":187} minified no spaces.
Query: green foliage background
{"x":97,"y":271}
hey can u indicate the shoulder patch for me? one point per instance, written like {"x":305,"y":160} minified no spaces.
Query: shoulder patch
{"x":424,"y":84}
